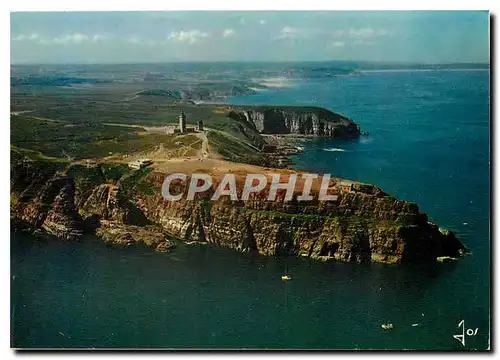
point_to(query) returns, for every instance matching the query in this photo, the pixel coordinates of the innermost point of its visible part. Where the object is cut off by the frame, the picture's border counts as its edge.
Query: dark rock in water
(39, 234)
(165, 246)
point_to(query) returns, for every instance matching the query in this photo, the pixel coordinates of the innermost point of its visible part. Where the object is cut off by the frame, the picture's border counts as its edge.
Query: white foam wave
(334, 149)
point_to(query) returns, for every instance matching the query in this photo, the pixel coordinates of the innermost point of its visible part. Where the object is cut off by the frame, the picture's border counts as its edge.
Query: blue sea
(428, 143)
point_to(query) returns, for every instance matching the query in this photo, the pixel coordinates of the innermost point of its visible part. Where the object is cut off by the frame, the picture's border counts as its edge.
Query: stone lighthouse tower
(182, 122)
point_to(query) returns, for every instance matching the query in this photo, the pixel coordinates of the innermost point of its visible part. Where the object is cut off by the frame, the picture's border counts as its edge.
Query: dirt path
(204, 152)
(133, 96)
(16, 113)
(48, 120)
(124, 125)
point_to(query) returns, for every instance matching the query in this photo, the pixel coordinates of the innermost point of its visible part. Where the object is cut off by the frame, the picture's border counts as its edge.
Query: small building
(346, 185)
(200, 125)
(139, 164)
(170, 129)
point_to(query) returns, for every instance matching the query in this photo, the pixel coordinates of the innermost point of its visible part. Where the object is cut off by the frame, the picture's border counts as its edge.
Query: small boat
(286, 277)
(387, 326)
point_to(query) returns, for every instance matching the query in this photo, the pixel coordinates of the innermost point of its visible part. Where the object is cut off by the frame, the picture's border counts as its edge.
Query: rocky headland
(363, 225)
(311, 121)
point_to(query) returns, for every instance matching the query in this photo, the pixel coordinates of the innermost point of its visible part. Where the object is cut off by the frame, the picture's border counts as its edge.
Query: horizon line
(386, 62)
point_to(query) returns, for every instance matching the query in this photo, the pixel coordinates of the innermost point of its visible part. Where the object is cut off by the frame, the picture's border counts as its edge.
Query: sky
(130, 37)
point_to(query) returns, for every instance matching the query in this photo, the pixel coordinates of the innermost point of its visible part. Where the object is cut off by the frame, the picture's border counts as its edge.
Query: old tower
(182, 122)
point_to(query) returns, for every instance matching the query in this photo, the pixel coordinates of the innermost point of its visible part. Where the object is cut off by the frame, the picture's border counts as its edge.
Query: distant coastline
(274, 82)
(423, 70)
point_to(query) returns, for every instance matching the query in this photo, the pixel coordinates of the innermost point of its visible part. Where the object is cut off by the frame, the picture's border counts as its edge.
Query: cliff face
(363, 225)
(304, 121)
(53, 209)
(67, 204)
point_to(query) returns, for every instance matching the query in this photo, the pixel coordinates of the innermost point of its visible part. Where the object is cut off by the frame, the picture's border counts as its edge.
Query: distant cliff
(311, 121)
(363, 225)
(216, 92)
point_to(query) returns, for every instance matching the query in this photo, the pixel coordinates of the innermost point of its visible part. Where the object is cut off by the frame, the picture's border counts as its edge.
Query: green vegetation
(69, 141)
(58, 140)
(28, 171)
(75, 113)
(86, 178)
(297, 109)
(159, 92)
(34, 160)
(359, 220)
(232, 149)
(306, 217)
(114, 172)
(135, 183)
(20, 154)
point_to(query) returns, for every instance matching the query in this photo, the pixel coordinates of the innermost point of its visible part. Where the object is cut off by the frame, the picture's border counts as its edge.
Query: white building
(139, 164)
